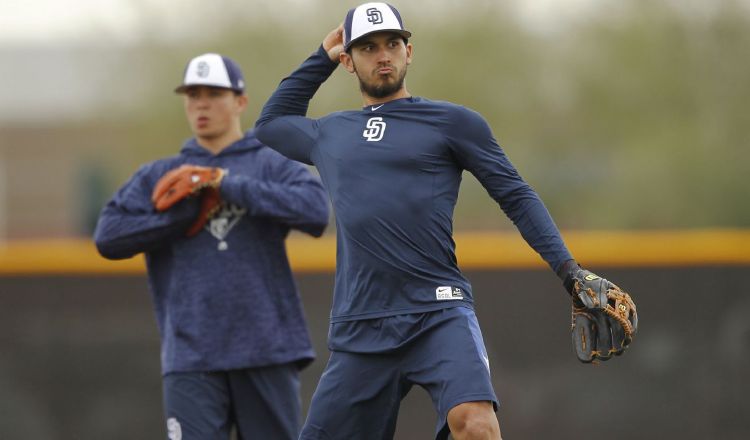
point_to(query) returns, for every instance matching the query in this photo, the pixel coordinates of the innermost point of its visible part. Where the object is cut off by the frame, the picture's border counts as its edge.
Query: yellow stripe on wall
(611, 249)
(475, 250)
(53, 257)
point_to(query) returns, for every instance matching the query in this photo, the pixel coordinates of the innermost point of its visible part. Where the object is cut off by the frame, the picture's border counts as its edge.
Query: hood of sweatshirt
(191, 147)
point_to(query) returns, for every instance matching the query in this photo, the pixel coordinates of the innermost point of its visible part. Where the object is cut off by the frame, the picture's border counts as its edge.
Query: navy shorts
(257, 402)
(359, 393)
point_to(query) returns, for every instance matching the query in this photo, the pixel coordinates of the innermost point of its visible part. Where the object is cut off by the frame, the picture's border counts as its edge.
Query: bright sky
(45, 21)
(51, 20)
(54, 21)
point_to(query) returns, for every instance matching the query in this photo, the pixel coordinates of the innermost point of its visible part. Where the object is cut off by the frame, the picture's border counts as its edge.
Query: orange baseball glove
(183, 182)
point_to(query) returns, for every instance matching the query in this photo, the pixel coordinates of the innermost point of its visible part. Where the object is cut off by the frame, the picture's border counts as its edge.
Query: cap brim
(181, 89)
(403, 33)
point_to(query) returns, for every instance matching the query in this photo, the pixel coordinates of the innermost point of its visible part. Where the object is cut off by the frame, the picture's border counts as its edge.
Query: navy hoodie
(225, 298)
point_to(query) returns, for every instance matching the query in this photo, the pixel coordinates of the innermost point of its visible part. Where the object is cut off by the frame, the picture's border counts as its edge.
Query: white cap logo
(203, 69)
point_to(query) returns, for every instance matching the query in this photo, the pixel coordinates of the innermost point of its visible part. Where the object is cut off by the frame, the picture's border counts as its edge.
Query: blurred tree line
(633, 117)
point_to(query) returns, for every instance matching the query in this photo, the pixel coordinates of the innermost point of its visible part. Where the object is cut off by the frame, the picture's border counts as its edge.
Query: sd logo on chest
(375, 129)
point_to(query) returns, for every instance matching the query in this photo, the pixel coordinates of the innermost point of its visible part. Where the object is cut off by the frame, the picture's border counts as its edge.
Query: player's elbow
(279, 135)
(266, 115)
(267, 135)
(110, 251)
(315, 230)
(318, 219)
(262, 130)
(109, 247)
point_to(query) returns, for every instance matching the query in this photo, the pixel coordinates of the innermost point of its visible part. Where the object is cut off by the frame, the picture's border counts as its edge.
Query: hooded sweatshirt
(224, 299)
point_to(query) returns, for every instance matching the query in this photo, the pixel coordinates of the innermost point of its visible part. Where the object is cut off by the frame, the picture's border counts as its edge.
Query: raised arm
(282, 124)
(477, 151)
(129, 223)
(291, 195)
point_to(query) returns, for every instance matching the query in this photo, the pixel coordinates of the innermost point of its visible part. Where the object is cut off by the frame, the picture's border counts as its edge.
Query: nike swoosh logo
(375, 108)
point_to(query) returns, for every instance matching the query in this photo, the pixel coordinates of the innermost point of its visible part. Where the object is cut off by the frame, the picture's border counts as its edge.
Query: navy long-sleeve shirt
(225, 298)
(393, 173)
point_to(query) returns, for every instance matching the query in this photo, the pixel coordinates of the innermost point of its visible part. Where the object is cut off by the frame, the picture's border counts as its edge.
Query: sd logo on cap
(372, 17)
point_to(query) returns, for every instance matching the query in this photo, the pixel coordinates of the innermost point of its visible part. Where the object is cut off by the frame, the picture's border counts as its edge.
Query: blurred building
(50, 179)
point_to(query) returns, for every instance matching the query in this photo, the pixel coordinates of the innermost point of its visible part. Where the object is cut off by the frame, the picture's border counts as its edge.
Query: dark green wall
(79, 358)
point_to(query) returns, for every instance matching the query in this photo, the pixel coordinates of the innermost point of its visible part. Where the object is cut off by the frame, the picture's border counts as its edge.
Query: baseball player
(402, 310)
(212, 221)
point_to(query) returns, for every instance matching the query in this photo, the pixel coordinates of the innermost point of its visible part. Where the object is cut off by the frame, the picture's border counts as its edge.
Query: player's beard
(382, 89)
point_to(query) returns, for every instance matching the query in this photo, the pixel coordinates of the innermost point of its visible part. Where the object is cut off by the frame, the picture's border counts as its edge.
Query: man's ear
(346, 60)
(409, 53)
(242, 101)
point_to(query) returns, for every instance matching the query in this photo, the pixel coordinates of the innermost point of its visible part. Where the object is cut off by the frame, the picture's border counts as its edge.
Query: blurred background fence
(80, 351)
(628, 117)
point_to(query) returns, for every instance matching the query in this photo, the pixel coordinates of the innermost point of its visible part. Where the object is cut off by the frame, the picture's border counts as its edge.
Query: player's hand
(333, 43)
(182, 182)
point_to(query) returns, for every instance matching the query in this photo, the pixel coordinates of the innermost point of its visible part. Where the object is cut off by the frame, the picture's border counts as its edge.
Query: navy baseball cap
(372, 17)
(213, 70)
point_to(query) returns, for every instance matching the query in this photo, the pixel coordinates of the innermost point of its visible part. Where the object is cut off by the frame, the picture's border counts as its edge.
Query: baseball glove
(604, 317)
(182, 182)
(210, 205)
